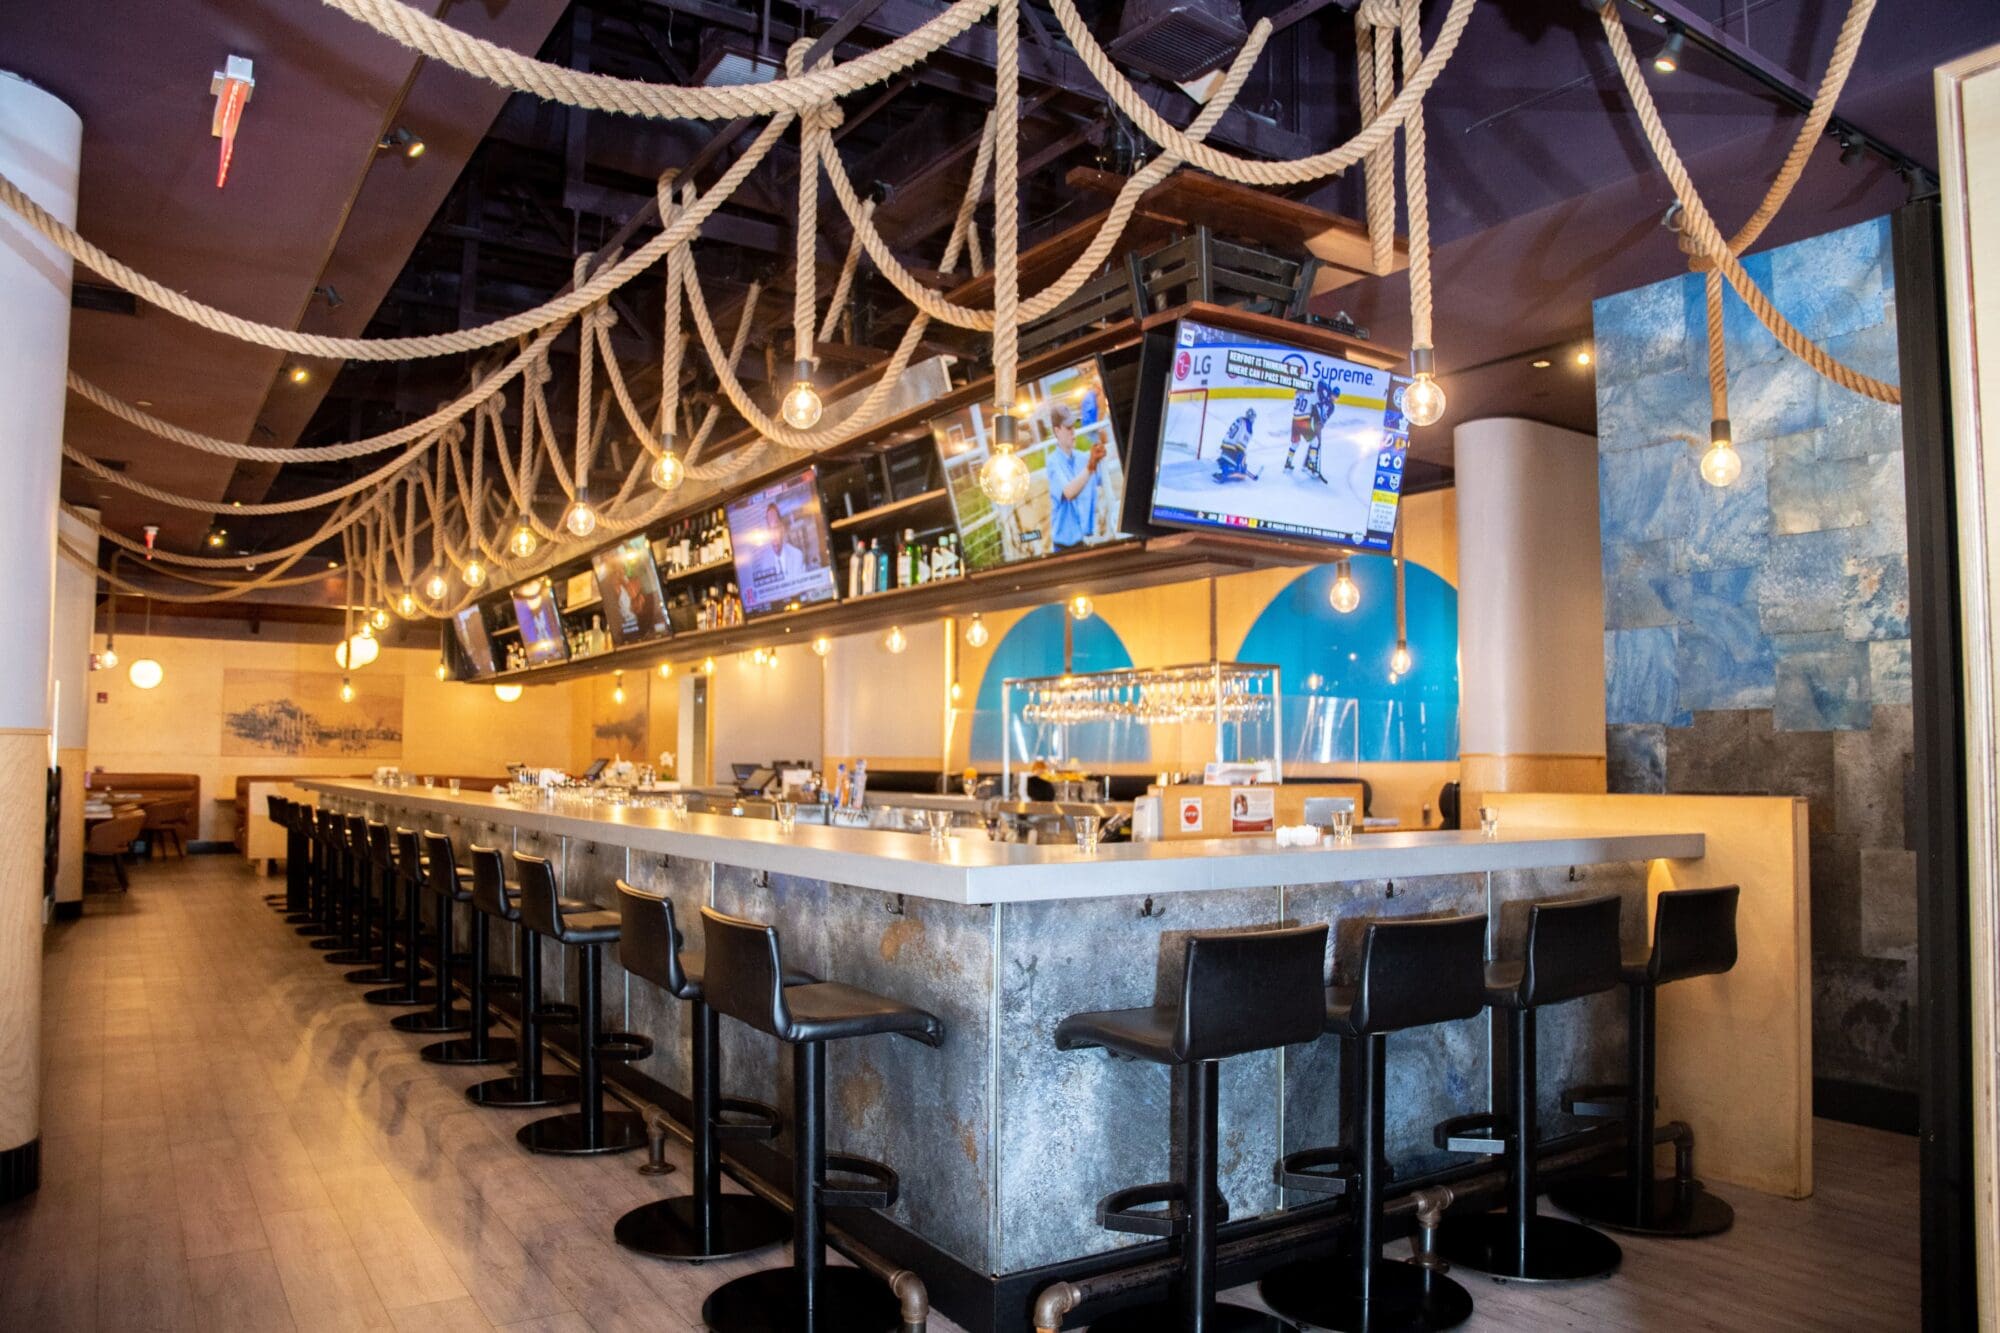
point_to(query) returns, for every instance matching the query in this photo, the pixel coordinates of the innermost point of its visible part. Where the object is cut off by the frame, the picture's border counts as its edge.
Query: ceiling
(1543, 196)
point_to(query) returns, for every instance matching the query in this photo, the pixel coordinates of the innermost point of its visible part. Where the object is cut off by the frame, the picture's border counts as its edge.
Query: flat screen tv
(778, 538)
(628, 586)
(542, 637)
(470, 627)
(1076, 490)
(1257, 436)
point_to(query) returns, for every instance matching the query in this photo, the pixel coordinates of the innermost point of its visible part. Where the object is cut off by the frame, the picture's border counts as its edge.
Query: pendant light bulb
(895, 640)
(581, 520)
(1081, 607)
(618, 687)
(378, 619)
(976, 633)
(108, 659)
(822, 645)
(146, 673)
(666, 671)
(1400, 661)
(1721, 465)
(474, 574)
(1423, 397)
(668, 471)
(523, 543)
(707, 666)
(346, 690)
(357, 652)
(802, 407)
(1345, 595)
(1003, 476)
(435, 587)
(406, 604)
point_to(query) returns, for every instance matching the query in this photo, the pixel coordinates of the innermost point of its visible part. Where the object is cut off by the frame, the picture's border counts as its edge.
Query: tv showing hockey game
(1261, 437)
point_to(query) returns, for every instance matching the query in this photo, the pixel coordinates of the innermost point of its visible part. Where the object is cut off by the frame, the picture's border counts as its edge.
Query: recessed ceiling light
(1541, 363)
(300, 375)
(144, 402)
(1583, 357)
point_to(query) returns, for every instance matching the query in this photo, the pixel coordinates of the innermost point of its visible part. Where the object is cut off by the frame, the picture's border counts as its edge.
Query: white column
(40, 140)
(75, 619)
(1530, 609)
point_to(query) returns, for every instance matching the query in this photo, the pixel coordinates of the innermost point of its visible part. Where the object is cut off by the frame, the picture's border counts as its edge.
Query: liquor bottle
(732, 613)
(881, 565)
(854, 569)
(840, 787)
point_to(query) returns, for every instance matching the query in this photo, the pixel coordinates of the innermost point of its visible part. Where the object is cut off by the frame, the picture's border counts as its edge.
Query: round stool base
(1157, 1315)
(459, 1051)
(300, 918)
(512, 1093)
(738, 1224)
(563, 1135)
(313, 929)
(1672, 1210)
(374, 976)
(454, 1020)
(1557, 1250)
(315, 939)
(851, 1300)
(403, 995)
(1406, 1298)
(359, 958)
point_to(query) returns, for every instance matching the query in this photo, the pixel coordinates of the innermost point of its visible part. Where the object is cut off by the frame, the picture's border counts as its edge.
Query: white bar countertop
(975, 870)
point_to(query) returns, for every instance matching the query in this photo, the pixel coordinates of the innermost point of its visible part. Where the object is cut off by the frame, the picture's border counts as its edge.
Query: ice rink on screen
(1348, 452)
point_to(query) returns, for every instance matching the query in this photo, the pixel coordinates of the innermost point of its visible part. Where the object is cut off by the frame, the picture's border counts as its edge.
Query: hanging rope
(1708, 238)
(1416, 185)
(1374, 65)
(1007, 204)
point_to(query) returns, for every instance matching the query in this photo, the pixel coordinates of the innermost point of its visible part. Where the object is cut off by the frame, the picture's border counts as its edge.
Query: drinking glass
(453, 784)
(938, 823)
(1489, 823)
(1343, 827)
(787, 813)
(677, 805)
(430, 781)
(1086, 833)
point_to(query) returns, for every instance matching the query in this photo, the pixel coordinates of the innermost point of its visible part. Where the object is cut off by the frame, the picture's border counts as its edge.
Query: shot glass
(429, 781)
(1086, 834)
(1343, 827)
(787, 813)
(938, 824)
(453, 784)
(1489, 823)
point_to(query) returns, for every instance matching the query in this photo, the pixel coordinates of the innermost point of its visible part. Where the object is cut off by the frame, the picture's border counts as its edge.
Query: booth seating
(1241, 992)
(705, 1223)
(1694, 935)
(744, 979)
(590, 1128)
(1572, 951)
(110, 841)
(1413, 973)
(496, 898)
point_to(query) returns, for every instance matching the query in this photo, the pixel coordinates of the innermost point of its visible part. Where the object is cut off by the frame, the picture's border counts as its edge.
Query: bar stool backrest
(540, 911)
(1420, 971)
(1694, 933)
(1247, 991)
(279, 810)
(489, 883)
(409, 855)
(744, 976)
(1572, 950)
(443, 873)
(357, 840)
(649, 941)
(379, 849)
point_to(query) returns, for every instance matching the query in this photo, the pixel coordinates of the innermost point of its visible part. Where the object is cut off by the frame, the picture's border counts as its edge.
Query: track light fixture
(1668, 58)
(401, 140)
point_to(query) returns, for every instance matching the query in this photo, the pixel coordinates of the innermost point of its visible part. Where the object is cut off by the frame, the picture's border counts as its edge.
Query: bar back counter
(1005, 1144)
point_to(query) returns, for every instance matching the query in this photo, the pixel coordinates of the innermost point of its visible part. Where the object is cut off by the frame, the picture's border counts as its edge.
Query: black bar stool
(1240, 992)
(452, 884)
(589, 1128)
(406, 972)
(1572, 951)
(294, 902)
(412, 873)
(1694, 935)
(365, 951)
(745, 979)
(494, 897)
(327, 931)
(705, 1223)
(1413, 973)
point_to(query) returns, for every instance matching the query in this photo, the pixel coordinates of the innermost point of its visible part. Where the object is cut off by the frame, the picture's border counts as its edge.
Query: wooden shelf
(696, 571)
(880, 512)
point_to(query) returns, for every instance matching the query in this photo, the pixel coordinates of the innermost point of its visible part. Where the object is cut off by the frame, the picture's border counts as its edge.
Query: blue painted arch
(1033, 646)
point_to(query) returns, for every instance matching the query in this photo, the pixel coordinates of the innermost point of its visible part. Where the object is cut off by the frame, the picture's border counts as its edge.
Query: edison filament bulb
(1003, 476)
(802, 407)
(581, 520)
(668, 471)
(976, 632)
(523, 542)
(1721, 464)
(1345, 594)
(435, 587)
(474, 574)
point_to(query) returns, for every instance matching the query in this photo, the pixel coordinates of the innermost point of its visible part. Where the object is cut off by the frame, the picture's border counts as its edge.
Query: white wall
(757, 713)
(887, 707)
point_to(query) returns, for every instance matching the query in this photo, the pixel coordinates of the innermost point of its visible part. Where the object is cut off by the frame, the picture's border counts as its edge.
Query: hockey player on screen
(1230, 463)
(1309, 418)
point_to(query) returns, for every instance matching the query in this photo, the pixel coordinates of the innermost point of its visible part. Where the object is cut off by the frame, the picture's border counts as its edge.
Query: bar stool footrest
(1317, 1170)
(623, 1047)
(886, 1183)
(1135, 1209)
(756, 1120)
(1600, 1101)
(1483, 1134)
(557, 1013)
(503, 983)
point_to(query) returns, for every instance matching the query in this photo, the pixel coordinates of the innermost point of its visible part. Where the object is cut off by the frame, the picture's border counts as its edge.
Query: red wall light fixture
(232, 86)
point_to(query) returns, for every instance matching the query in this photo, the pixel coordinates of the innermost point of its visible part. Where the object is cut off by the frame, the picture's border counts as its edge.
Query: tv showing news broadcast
(1063, 432)
(470, 627)
(542, 637)
(778, 538)
(1259, 436)
(628, 584)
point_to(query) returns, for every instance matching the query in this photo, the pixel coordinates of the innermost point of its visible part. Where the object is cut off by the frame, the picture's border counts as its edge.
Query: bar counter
(1002, 941)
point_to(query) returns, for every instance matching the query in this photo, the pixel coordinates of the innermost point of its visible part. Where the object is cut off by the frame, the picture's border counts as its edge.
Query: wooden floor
(233, 1140)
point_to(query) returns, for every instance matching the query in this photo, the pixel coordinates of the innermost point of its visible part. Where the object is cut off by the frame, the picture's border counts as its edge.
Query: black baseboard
(1864, 1104)
(69, 911)
(21, 1170)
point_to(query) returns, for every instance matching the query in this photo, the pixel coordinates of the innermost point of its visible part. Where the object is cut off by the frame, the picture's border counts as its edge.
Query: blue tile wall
(1744, 622)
